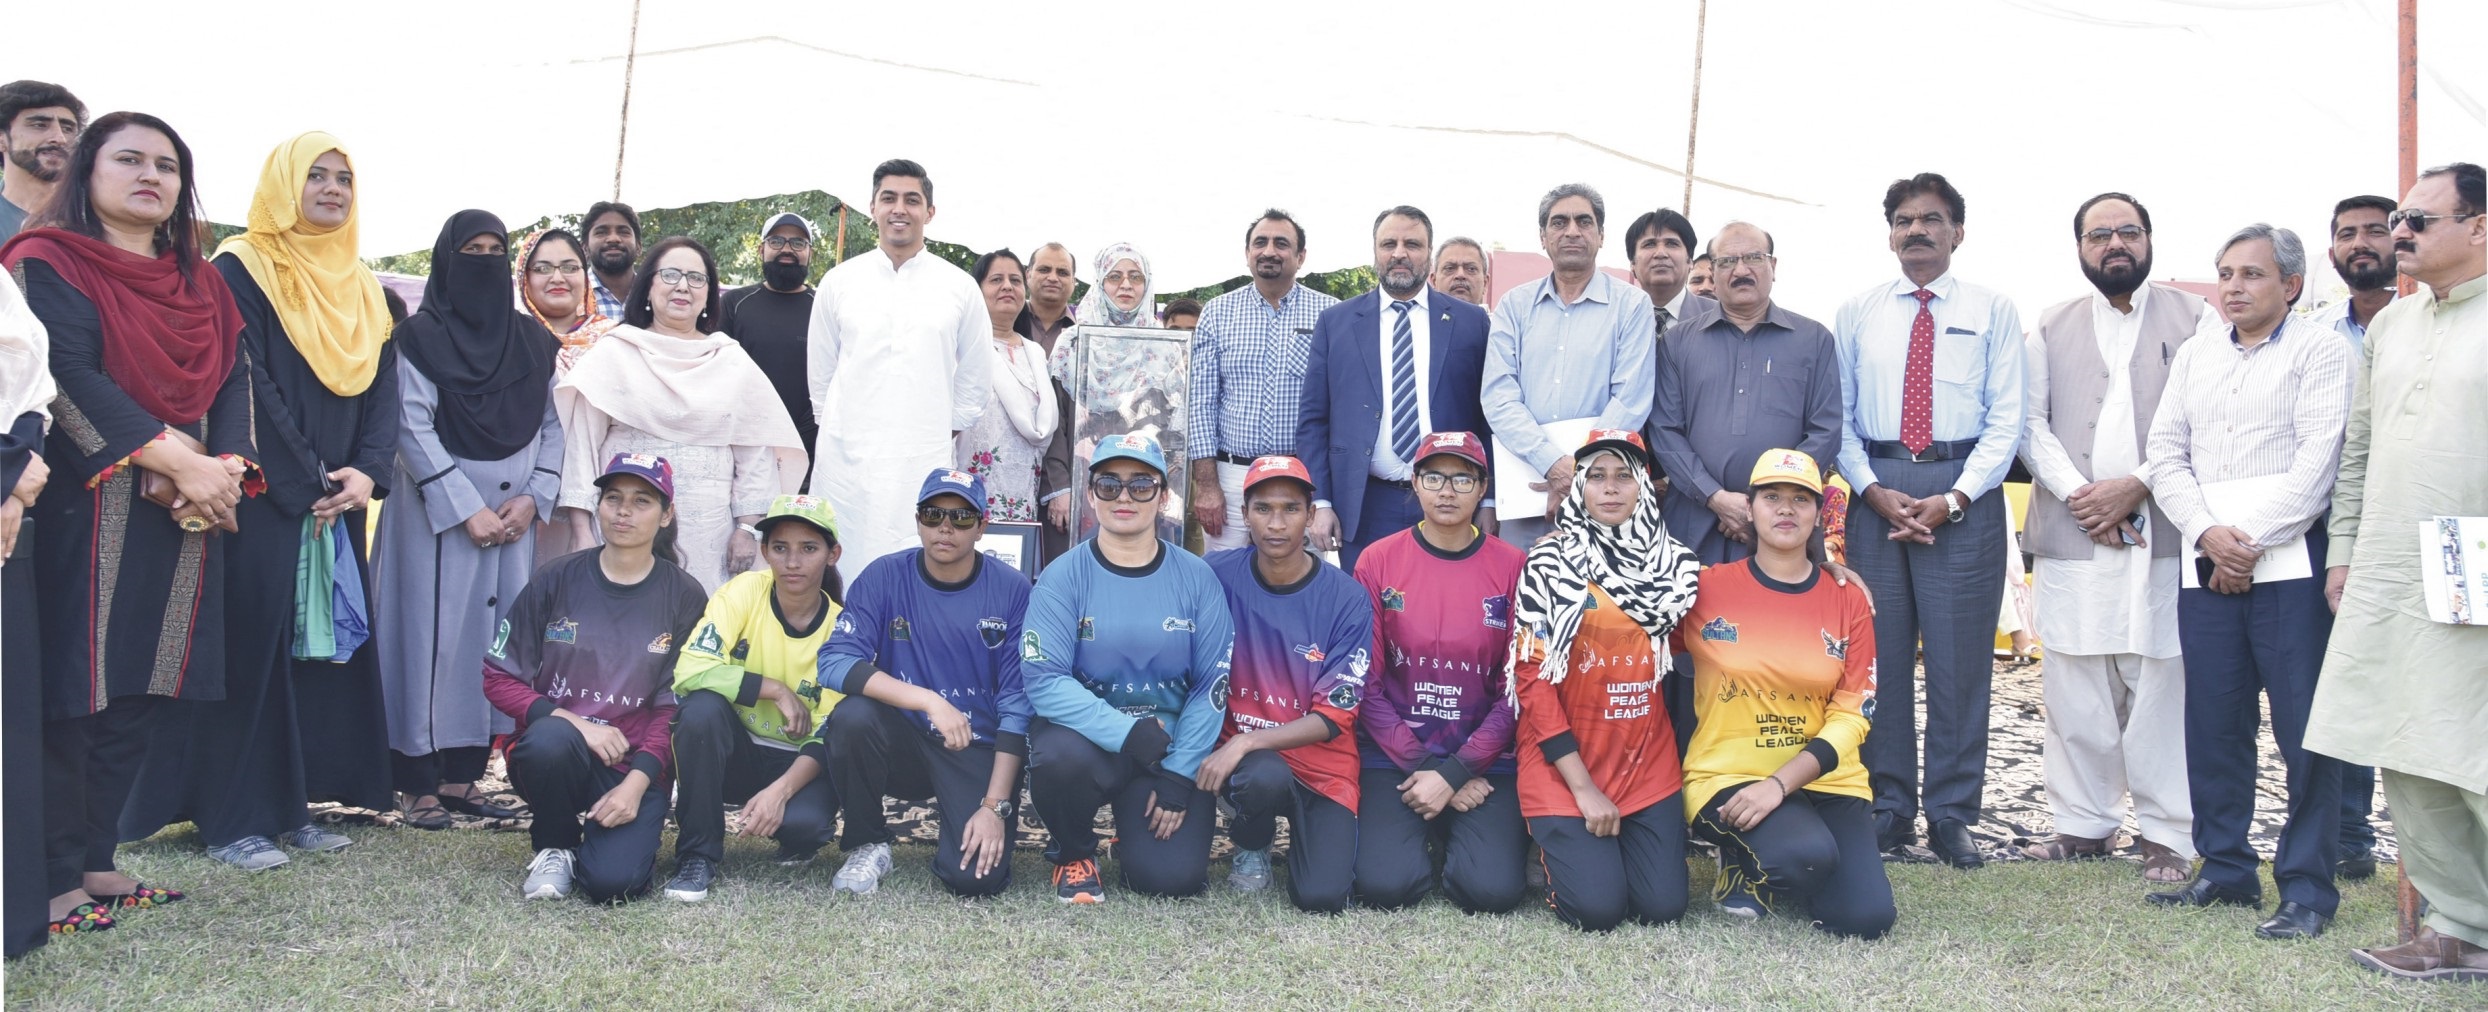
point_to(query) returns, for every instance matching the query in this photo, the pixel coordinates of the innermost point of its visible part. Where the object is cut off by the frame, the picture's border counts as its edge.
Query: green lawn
(432, 920)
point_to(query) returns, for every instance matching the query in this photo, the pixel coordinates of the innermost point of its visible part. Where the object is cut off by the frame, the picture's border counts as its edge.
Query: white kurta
(898, 364)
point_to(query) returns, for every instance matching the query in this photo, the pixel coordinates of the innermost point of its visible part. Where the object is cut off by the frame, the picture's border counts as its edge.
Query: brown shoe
(2068, 847)
(2163, 865)
(2431, 956)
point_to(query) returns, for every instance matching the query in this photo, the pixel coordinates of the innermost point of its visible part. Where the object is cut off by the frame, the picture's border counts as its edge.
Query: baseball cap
(1274, 467)
(1625, 441)
(646, 466)
(788, 218)
(1464, 445)
(1787, 467)
(1129, 446)
(952, 481)
(810, 509)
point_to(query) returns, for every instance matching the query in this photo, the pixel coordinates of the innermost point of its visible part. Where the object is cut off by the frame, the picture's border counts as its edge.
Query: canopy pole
(1693, 121)
(630, 63)
(2407, 921)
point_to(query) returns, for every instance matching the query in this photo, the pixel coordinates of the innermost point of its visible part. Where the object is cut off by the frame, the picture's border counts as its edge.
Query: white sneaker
(863, 870)
(1249, 870)
(549, 875)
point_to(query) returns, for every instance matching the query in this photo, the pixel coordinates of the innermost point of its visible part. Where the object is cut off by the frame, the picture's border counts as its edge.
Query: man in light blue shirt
(2362, 253)
(1931, 380)
(1575, 344)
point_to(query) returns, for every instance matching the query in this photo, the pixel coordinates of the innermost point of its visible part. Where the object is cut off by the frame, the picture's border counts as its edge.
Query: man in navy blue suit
(1386, 368)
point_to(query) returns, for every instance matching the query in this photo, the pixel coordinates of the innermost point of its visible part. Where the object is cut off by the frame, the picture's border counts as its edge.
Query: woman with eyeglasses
(1006, 447)
(1125, 654)
(667, 384)
(553, 283)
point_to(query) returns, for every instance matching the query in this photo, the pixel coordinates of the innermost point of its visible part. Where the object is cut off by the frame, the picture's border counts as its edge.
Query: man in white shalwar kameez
(898, 368)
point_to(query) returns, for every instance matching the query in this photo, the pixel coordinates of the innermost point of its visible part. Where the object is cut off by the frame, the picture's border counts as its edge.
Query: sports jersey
(1106, 646)
(1607, 709)
(742, 639)
(605, 651)
(958, 639)
(1777, 669)
(1300, 649)
(1443, 631)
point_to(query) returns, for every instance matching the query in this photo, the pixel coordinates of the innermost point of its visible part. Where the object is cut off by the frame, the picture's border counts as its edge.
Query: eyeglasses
(1433, 481)
(677, 276)
(1134, 278)
(780, 242)
(1108, 488)
(546, 270)
(2100, 236)
(1753, 260)
(960, 519)
(2418, 220)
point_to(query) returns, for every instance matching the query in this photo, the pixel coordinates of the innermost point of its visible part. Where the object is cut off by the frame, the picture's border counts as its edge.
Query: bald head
(1742, 271)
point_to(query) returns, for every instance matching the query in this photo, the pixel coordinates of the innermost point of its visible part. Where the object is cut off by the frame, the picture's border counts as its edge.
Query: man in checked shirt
(1248, 356)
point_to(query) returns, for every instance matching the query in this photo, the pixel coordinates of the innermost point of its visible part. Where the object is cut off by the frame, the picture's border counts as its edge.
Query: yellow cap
(1787, 467)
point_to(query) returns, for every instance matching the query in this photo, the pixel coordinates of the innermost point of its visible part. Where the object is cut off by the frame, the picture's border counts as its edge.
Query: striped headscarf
(1650, 576)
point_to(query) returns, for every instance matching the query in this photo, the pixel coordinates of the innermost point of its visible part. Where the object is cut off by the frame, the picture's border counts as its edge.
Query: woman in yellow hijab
(299, 722)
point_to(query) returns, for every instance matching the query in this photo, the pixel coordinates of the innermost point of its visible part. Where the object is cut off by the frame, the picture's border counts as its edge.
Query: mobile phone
(2203, 570)
(2135, 521)
(328, 486)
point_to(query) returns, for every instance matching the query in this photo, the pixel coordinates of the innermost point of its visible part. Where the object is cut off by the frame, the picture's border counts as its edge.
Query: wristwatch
(1952, 507)
(1002, 807)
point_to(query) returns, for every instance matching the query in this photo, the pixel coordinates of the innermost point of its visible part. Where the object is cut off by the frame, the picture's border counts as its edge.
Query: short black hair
(1667, 218)
(2362, 202)
(2084, 211)
(19, 96)
(1274, 214)
(1703, 259)
(2467, 183)
(636, 310)
(1403, 211)
(901, 167)
(985, 264)
(602, 208)
(1181, 306)
(1925, 182)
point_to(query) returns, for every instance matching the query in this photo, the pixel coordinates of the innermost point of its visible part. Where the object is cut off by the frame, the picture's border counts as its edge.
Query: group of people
(678, 548)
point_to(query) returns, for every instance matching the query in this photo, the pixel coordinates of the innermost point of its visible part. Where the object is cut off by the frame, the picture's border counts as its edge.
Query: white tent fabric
(1173, 125)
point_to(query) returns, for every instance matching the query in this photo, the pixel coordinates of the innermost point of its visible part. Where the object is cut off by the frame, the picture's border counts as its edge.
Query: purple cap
(952, 481)
(645, 466)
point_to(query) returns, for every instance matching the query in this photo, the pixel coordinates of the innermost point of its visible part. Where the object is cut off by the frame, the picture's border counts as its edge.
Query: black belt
(1235, 458)
(1405, 486)
(1938, 450)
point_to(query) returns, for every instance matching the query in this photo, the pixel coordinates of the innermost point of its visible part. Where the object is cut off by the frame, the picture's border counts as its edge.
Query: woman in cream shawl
(1006, 446)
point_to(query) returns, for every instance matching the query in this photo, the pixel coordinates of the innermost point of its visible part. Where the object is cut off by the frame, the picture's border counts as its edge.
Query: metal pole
(630, 64)
(2407, 923)
(1693, 120)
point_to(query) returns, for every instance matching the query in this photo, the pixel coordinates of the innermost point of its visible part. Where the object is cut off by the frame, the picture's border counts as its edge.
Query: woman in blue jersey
(1124, 653)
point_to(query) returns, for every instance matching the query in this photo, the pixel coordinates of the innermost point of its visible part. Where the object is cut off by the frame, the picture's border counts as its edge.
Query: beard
(31, 160)
(1400, 277)
(613, 260)
(2115, 279)
(784, 275)
(2368, 277)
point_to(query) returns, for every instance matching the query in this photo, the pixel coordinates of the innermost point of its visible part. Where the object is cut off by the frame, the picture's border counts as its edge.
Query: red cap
(1276, 466)
(1622, 440)
(1464, 445)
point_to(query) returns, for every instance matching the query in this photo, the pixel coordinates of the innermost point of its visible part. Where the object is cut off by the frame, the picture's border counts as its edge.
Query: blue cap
(1129, 446)
(952, 481)
(648, 467)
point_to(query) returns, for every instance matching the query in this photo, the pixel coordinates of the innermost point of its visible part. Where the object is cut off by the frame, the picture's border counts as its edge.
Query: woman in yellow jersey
(1784, 684)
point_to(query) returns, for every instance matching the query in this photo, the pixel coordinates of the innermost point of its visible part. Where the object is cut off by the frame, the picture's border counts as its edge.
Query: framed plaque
(1129, 380)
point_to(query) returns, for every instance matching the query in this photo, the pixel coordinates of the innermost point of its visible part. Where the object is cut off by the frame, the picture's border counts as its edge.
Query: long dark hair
(638, 313)
(73, 201)
(665, 546)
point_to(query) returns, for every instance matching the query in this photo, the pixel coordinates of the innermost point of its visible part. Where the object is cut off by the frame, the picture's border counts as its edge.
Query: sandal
(2068, 847)
(477, 805)
(86, 920)
(2161, 864)
(425, 816)
(140, 898)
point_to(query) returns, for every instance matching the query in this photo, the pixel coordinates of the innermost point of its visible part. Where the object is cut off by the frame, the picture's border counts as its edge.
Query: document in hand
(2233, 502)
(1513, 475)
(2452, 553)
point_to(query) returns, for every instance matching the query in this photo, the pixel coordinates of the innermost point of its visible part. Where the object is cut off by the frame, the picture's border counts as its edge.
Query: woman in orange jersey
(1783, 686)
(1599, 781)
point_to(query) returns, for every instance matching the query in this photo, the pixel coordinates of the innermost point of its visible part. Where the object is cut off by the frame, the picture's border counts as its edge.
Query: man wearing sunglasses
(1304, 632)
(773, 319)
(927, 655)
(2399, 692)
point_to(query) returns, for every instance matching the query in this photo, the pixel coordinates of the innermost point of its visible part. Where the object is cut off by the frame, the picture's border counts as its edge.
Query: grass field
(432, 920)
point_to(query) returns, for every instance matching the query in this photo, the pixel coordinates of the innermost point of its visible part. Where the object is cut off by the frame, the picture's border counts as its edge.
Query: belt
(1235, 458)
(1405, 486)
(1938, 450)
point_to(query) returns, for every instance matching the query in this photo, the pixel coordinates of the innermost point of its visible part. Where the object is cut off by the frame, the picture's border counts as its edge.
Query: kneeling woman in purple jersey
(585, 664)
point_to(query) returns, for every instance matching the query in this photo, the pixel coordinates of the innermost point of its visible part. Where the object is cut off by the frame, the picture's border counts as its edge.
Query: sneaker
(1078, 882)
(788, 858)
(692, 877)
(863, 870)
(251, 853)
(549, 875)
(1735, 896)
(316, 840)
(1249, 871)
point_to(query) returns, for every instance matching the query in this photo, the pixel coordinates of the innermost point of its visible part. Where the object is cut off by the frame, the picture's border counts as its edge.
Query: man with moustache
(1925, 530)
(2399, 692)
(1247, 383)
(1463, 271)
(1053, 275)
(899, 358)
(612, 231)
(1573, 345)
(1659, 241)
(773, 319)
(2106, 583)
(1698, 277)
(2362, 253)
(1386, 368)
(39, 122)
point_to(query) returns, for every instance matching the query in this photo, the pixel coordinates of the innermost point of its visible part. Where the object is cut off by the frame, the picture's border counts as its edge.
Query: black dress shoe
(2292, 921)
(2202, 893)
(1891, 833)
(2356, 865)
(1951, 841)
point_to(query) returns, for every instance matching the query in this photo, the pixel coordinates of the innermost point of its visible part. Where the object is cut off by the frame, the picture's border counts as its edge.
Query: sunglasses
(2418, 220)
(1108, 488)
(960, 519)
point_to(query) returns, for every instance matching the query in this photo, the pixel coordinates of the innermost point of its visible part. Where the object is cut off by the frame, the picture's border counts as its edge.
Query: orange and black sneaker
(1078, 882)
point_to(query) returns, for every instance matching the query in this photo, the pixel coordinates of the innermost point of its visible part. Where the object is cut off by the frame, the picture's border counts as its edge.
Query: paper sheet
(1513, 475)
(2231, 502)
(2453, 551)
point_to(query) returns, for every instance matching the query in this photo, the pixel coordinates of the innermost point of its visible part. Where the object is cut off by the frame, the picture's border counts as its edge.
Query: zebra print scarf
(1648, 573)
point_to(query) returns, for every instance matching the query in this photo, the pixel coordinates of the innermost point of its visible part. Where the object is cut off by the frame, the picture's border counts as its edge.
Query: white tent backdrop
(1173, 125)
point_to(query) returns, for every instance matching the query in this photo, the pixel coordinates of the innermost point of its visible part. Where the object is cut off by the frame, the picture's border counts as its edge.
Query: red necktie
(1918, 382)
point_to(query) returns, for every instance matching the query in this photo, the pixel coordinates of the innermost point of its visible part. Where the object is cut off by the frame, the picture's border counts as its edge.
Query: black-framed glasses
(783, 242)
(1433, 481)
(2130, 233)
(2418, 220)
(1108, 488)
(963, 518)
(678, 276)
(546, 269)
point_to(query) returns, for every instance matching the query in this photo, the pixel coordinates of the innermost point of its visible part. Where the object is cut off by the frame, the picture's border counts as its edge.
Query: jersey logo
(1030, 649)
(1358, 664)
(742, 651)
(994, 630)
(1343, 696)
(1393, 600)
(1176, 625)
(663, 644)
(846, 624)
(898, 628)
(1088, 628)
(708, 642)
(1837, 649)
(810, 691)
(1719, 630)
(501, 641)
(562, 631)
(1498, 612)
(1218, 691)
(1311, 652)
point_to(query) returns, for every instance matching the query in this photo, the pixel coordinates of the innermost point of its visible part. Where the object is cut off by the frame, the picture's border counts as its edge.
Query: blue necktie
(1404, 434)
